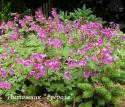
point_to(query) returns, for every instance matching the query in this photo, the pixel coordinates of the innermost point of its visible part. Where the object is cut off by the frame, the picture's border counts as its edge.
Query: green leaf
(107, 82)
(78, 99)
(118, 91)
(86, 104)
(116, 101)
(101, 102)
(103, 93)
(1, 49)
(54, 102)
(87, 94)
(22, 30)
(67, 105)
(66, 51)
(84, 86)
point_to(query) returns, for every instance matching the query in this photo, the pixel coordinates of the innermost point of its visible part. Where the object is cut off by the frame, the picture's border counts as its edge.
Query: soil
(29, 103)
(123, 104)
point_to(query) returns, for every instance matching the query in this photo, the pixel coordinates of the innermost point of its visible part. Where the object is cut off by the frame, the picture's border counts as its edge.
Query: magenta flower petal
(94, 58)
(5, 85)
(11, 72)
(32, 73)
(86, 74)
(82, 63)
(67, 75)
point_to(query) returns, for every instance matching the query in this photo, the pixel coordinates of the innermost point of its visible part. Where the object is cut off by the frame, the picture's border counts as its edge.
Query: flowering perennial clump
(90, 41)
(36, 47)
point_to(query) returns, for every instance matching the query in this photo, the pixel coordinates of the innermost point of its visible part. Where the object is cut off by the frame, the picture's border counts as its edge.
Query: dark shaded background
(109, 10)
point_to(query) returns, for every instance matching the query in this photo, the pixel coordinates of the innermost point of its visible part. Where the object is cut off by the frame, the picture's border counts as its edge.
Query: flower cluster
(5, 85)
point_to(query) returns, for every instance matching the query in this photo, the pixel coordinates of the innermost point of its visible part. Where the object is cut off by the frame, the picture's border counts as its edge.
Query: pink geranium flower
(5, 85)
(67, 75)
(94, 58)
(11, 72)
(86, 74)
(82, 63)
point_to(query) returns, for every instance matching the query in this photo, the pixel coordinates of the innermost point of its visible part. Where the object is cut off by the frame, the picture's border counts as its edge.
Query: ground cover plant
(81, 63)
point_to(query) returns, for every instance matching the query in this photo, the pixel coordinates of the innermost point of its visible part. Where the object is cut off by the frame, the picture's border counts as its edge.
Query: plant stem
(74, 101)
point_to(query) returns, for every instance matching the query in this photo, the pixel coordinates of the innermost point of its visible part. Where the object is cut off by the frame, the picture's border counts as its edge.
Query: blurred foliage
(85, 13)
(5, 10)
